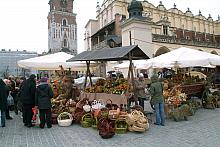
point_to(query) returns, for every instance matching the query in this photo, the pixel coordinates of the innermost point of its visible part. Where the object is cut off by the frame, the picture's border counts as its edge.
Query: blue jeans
(160, 118)
(3, 117)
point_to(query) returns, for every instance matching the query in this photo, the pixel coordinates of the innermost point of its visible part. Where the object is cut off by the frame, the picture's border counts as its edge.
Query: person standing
(14, 92)
(3, 101)
(43, 97)
(8, 86)
(140, 86)
(28, 89)
(157, 99)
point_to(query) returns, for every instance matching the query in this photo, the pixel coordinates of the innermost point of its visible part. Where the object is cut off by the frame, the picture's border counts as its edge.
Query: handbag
(10, 100)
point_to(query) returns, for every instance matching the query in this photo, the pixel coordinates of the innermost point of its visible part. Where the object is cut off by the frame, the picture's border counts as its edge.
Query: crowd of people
(27, 94)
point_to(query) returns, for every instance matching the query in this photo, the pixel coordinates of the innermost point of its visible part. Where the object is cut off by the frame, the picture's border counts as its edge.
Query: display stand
(115, 98)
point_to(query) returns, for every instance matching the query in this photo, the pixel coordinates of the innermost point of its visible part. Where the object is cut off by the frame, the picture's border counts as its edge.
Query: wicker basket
(136, 129)
(113, 114)
(218, 104)
(86, 121)
(65, 122)
(95, 123)
(121, 126)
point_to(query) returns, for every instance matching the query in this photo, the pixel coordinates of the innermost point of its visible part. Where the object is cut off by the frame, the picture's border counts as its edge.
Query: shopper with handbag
(3, 101)
(43, 97)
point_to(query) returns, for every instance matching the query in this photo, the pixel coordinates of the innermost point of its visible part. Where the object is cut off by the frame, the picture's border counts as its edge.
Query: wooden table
(115, 98)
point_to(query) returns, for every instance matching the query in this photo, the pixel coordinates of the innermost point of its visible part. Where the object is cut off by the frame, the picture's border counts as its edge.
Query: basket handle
(59, 116)
(137, 112)
(86, 115)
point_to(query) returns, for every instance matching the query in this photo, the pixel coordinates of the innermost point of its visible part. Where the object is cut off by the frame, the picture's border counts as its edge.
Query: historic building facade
(9, 59)
(157, 31)
(62, 27)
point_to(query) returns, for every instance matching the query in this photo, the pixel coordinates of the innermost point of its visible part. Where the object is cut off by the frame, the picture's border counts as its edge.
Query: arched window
(64, 22)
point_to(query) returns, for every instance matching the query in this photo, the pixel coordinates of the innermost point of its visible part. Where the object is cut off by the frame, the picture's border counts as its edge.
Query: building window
(187, 37)
(165, 30)
(54, 35)
(64, 22)
(65, 43)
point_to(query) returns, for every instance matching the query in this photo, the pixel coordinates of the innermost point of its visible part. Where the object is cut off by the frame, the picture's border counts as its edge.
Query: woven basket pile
(137, 121)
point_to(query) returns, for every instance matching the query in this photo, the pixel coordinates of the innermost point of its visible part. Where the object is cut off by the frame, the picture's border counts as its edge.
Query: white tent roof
(183, 57)
(137, 64)
(51, 62)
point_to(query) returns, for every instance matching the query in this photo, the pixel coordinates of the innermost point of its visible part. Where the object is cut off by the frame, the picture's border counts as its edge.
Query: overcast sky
(24, 22)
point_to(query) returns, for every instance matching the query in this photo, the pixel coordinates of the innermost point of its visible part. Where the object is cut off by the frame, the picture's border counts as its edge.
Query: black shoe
(156, 124)
(10, 118)
(25, 124)
(41, 126)
(3, 126)
(50, 126)
(30, 125)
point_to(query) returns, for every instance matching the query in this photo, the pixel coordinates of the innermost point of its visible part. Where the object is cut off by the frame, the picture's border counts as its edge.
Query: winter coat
(27, 92)
(156, 90)
(140, 88)
(43, 96)
(4, 91)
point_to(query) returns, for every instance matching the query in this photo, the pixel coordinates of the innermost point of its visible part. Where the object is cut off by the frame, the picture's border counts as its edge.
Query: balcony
(183, 41)
(100, 45)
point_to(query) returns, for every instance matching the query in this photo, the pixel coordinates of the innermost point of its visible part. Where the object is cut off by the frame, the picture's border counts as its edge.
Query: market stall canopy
(111, 54)
(183, 57)
(51, 62)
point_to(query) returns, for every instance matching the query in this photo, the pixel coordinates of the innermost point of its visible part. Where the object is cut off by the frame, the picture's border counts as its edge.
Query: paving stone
(202, 130)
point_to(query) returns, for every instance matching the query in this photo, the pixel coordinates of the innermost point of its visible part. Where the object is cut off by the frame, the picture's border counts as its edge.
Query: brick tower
(62, 27)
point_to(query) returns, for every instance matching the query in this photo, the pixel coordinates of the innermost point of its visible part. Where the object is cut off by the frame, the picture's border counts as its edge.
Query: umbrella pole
(87, 70)
(131, 74)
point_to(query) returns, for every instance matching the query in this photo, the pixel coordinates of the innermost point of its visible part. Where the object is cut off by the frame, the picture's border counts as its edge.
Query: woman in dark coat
(43, 97)
(3, 101)
(28, 98)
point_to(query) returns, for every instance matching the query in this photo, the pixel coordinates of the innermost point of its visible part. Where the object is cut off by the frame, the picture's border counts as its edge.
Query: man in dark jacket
(28, 99)
(3, 101)
(43, 97)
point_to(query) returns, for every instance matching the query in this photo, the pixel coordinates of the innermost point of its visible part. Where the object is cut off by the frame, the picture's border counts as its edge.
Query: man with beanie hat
(43, 97)
(28, 89)
(157, 99)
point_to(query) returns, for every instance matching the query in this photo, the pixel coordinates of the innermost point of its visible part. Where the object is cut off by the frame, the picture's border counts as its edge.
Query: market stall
(112, 54)
(103, 104)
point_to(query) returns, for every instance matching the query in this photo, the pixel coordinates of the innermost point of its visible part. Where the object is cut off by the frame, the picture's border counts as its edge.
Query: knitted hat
(32, 76)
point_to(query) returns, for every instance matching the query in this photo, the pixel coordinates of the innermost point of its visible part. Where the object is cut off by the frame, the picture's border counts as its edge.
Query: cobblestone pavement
(201, 130)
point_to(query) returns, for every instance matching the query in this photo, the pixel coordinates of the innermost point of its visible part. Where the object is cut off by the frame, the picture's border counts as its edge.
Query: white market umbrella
(51, 62)
(183, 57)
